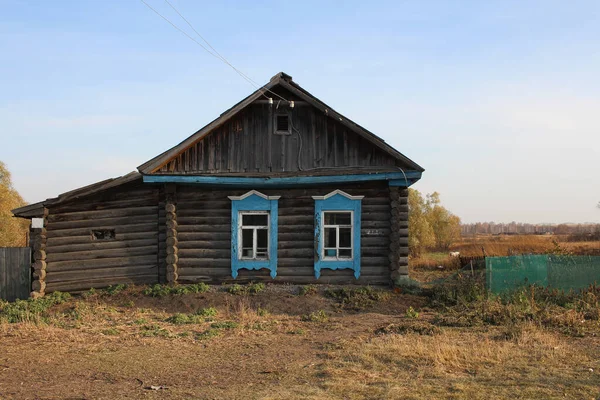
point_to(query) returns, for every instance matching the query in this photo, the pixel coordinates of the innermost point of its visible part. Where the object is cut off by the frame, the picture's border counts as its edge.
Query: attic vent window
(282, 124)
(104, 234)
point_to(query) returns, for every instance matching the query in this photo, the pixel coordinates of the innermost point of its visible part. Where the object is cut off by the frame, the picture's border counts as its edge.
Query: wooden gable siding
(246, 144)
(204, 236)
(75, 261)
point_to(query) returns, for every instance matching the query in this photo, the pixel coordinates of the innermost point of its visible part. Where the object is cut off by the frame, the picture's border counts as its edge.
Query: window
(254, 235)
(337, 232)
(337, 235)
(254, 232)
(104, 234)
(282, 124)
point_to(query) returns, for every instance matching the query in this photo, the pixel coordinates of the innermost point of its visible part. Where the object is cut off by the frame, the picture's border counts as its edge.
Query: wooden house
(280, 187)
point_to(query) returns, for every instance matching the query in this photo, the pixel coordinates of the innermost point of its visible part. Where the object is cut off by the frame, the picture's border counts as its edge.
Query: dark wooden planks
(246, 143)
(15, 273)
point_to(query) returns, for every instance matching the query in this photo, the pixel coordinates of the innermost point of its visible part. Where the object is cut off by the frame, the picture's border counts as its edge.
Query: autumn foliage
(12, 230)
(431, 226)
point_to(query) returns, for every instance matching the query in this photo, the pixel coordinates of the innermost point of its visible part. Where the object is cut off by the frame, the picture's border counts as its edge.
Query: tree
(420, 234)
(444, 224)
(12, 230)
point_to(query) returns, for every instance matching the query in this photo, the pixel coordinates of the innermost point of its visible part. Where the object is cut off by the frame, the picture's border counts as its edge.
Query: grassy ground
(274, 342)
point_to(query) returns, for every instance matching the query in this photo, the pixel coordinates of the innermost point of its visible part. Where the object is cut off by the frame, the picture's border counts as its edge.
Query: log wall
(204, 236)
(75, 260)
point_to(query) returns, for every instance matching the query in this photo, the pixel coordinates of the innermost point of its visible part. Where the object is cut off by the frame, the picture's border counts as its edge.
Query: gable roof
(286, 82)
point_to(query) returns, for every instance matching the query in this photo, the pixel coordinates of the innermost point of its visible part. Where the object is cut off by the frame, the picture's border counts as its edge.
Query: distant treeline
(516, 228)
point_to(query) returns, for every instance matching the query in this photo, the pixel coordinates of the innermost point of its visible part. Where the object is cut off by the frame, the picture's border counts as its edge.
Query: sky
(498, 100)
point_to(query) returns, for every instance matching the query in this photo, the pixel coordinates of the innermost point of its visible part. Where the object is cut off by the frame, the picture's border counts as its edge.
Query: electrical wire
(216, 54)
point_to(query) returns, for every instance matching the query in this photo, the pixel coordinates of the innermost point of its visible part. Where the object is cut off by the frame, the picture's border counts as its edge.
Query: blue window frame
(254, 232)
(337, 232)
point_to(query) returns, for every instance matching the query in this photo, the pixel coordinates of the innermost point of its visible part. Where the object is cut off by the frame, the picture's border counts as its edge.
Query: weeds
(419, 328)
(113, 290)
(165, 290)
(207, 334)
(154, 331)
(32, 310)
(240, 290)
(465, 303)
(202, 315)
(224, 325)
(412, 313)
(316, 316)
(306, 290)
(357, 298)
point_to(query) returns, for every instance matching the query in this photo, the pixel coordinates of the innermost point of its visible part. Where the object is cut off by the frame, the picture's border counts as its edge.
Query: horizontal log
(98, 214)
(131, 228)
(97, 205)
(102, 253)
(366, 224)
(101, 263)
(296, 220)
(172, 258)
(203, 262)
(38, 285)
(204, 212)
(170, 208)
(296, 228)
(204, 244)
(101, 245)
(203, 228)
(286, 236)
(70, 240)
(101, 283)
(205, 253)
(84, 275)
(204, 220)
(296, 244)
(204, 236)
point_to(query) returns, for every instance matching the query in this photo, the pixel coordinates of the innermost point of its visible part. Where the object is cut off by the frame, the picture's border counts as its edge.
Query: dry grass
(504, 245)
(463, 364)
(216, 345)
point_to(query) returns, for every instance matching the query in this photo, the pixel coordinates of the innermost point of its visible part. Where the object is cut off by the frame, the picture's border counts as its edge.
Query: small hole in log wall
(104, 234)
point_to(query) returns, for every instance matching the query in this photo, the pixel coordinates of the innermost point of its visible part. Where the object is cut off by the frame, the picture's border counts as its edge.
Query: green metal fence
(553, 271)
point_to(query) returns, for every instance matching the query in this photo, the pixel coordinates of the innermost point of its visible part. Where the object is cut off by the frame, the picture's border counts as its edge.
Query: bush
(32, 310)
(158, 290)
(316, 316)
(306, 290)
(465, 303)
(252, 288)
(357, 298)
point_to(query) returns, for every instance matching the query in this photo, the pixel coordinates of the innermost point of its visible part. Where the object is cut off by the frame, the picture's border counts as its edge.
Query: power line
(216, 54)
(243, 75)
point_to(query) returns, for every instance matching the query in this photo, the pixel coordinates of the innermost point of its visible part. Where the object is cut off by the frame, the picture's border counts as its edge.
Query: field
(290, 342)
(426, 268)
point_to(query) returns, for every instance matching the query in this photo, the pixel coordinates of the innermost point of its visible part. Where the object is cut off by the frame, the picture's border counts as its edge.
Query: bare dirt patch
(216, 345)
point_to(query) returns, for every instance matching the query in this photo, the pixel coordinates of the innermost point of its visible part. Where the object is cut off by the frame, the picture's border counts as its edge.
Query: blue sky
(498, 100)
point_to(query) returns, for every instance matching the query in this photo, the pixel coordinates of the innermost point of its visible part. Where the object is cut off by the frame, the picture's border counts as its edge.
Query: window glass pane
(337, 218)
(345, 253)
(247, 252)
(330, 252)
(255, 219)
(330, 237)
(262, 238)
(345, 237)
(247, 238)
